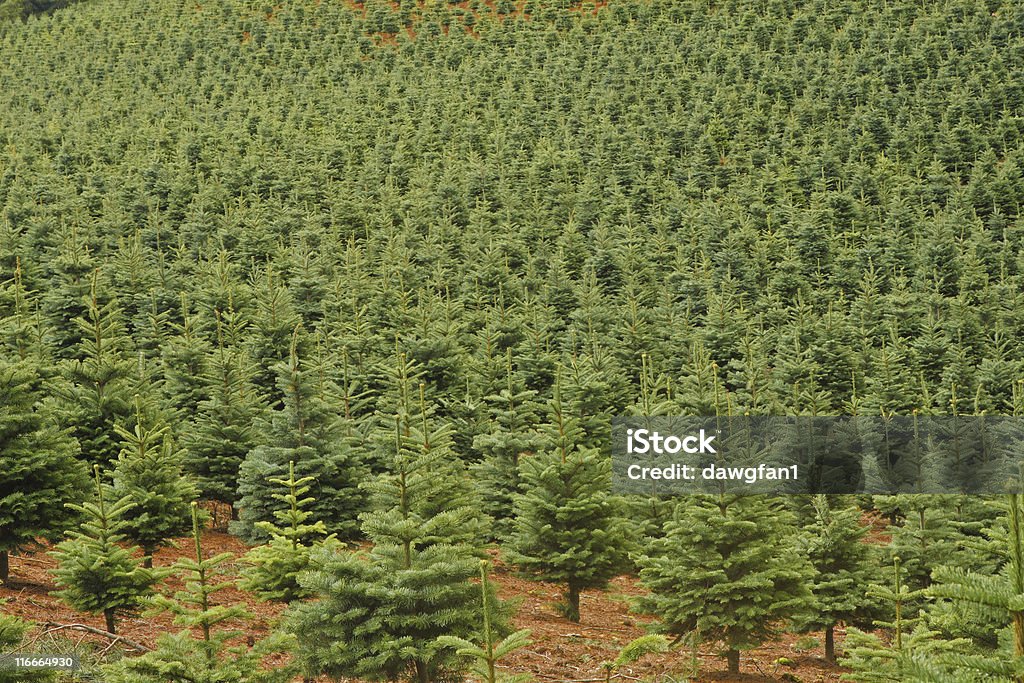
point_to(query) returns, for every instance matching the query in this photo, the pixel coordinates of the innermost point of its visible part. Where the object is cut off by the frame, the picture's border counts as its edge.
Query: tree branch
(52, 627)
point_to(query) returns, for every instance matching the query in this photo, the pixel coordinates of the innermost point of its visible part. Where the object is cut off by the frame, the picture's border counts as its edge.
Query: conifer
(94, 572)
(100, 381)
(727, 570)
(494, 648)
(568, 528)
(272, 570)
(379, 613)
(223, 430)
(209, 658)
(38, 468)
(305, 431)
(842, 565)
(149, 474)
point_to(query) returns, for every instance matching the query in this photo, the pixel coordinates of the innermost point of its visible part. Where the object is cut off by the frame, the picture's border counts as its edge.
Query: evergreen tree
(94, 572)
(208, 659)
(305, 431)
(486, 656)
(513, 411)
(1001, 594)
(872, 659)
(100, 381)
(568, 528)
(842, 564)
(380, 612)
(38, 468)
(149, 474)
(223, 431)
(726, 570)
(273, 569)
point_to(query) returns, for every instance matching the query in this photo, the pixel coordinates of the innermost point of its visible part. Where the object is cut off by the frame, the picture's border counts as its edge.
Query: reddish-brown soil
(561, 650)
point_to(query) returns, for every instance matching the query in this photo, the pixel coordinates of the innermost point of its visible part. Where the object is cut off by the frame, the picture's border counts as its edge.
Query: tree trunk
(733, 658)
(572, 606)
(108, 615)
(5, 567)
(147, 561)
(830, 643)
(422, 672)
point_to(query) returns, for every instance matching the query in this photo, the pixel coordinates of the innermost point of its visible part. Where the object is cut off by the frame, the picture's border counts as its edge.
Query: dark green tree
(272, 570)
(95, 573)
(210, 658)
(38, 468)
(568, 528)
(727, 570)
(224, 429)
(379, 613)
(843, 564)
(309, 433)
(100, 382)
(149, 474)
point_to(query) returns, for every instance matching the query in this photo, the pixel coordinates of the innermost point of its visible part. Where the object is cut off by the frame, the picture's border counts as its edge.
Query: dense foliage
(371, 239)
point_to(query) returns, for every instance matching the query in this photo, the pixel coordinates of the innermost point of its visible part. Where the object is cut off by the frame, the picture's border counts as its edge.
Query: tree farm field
(317, 318)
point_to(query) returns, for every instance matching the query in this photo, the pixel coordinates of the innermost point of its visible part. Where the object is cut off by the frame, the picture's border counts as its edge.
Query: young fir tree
(272, 570)
(38, 468)
(842, 564)
(513, 412)
(223, 430)
(494, 648)
(1001, 594)
(309, 433)
(207, 659)
(94, 572)
(872, 660)
(149, 474)
(925, 538)
(568, 528)
(379, 613)
(726, 570)
(100, 379)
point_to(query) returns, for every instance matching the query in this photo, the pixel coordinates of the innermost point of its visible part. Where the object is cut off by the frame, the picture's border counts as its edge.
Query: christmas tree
(842, 564)
(149, 474)
(726, 570)
(94, 572)
(568, 528)
(38, 468)
(209, 658)
(273, 569)
(305, 431)
(379, 613)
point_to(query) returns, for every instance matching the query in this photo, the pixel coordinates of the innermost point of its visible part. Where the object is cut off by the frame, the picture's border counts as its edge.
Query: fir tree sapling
(379, 613)
(149, 474)
(272, 570)
(207, 659)
(308, 432)
(494, 648)
(726, 570)
(38, 468)
(568, 528)
(12, 634)
(843, 564)
(224, 428)
(97, 395)
(872, 660)
(94, 572)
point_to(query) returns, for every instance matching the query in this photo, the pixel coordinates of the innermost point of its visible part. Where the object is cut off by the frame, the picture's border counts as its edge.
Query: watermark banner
(761, 454)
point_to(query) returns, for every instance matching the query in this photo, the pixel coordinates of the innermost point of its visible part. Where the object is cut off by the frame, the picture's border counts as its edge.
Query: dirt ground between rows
(561, 650)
